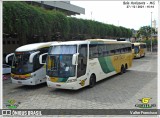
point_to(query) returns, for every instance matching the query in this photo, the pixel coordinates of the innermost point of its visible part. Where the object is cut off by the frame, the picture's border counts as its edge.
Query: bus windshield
(136, 49)
(59, 61)
(21, 64)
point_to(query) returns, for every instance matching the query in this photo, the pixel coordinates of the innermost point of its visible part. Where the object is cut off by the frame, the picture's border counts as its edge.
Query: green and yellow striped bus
(76, 64)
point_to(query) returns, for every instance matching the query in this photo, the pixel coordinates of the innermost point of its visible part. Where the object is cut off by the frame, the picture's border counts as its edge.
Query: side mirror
(41, 58)
(32, 56)
(11, 54)
(74, 59)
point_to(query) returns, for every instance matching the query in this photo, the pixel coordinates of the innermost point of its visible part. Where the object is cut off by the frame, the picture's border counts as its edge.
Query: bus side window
(93, 51)
(129, 49)
(100, 50)
(112, 49)
(82, 60)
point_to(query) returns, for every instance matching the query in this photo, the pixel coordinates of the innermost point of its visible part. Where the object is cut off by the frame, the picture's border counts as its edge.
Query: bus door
(82, 60)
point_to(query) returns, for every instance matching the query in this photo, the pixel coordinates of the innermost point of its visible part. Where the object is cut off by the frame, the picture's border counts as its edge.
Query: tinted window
(37, 65)
(82, 60)
(93, 51)
(108, 49)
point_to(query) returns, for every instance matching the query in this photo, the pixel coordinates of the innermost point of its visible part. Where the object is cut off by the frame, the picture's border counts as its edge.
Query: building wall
(10, 44)
(63, 6)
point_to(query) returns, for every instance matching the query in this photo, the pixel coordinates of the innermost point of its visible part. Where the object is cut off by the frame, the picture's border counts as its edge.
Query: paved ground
(116, 92)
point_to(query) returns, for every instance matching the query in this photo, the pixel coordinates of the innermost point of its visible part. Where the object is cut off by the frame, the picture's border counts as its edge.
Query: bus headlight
(71, 80)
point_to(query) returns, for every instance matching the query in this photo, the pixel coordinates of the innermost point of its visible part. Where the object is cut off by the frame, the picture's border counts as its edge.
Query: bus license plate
(19, 82)
(58, 85)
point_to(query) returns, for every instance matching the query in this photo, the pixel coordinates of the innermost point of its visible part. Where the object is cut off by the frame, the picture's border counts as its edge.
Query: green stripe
(106, 64)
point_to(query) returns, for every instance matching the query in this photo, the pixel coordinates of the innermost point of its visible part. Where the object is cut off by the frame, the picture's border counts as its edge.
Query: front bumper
(72, 85)
(30, 81)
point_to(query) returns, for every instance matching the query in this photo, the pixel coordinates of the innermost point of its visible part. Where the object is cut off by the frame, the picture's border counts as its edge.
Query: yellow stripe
(20, 76)
(53, 79)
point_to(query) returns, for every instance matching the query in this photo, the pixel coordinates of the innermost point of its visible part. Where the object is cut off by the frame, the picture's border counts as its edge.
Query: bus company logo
(82, 83)
(11, 104)
(145, 103)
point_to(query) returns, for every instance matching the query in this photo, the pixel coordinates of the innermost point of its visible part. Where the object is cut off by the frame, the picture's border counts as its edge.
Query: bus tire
(144, 55)
(92, 81)
(126, 66)
(122, 69)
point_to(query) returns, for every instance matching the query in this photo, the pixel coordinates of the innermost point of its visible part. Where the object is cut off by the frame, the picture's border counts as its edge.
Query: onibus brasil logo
(145, 103)
(11, 104)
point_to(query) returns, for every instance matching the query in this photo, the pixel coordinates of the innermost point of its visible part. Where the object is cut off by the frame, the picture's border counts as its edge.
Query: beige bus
(139, 50)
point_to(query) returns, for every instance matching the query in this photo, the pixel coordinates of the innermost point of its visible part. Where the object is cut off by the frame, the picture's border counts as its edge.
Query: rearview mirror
(9, 55)
(74, 59)
(32, 56)
(42, 57)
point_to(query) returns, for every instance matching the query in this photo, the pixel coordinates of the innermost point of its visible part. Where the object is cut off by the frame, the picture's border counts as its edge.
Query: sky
(116, 13)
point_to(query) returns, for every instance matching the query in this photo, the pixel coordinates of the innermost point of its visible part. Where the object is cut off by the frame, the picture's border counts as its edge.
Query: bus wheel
(126, 67)
(92, 81)
(144, 55)
(122, 69)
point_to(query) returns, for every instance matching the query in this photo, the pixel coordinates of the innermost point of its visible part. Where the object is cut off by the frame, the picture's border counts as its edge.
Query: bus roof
(91, 41)
(34, 46)
(71, 42)
(107, 41)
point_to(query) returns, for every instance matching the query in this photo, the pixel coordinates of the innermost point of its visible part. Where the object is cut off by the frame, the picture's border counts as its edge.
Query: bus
(26, 69)
(139, 49)
(76, 64)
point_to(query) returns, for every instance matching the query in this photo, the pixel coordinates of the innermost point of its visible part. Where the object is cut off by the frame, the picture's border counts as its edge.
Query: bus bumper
(30, 81)
(136, 55)
(72, 85)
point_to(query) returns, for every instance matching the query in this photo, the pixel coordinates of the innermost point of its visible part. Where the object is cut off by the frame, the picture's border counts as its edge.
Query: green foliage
(29, 21)
(148, 42)
(145, 32)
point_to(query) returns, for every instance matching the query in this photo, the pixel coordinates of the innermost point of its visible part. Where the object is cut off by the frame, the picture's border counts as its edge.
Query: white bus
(76, 64)
(26, 68)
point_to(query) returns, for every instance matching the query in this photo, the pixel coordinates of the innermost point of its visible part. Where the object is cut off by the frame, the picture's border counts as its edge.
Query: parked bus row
(71, 64)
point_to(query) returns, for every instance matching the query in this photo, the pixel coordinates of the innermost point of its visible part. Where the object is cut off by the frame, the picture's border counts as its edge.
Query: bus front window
(59, 61)
(21, 64)
(136, 49)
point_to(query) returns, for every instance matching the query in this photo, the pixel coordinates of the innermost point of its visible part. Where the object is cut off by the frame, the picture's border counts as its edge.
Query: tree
(145, 32)
(34, 24)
